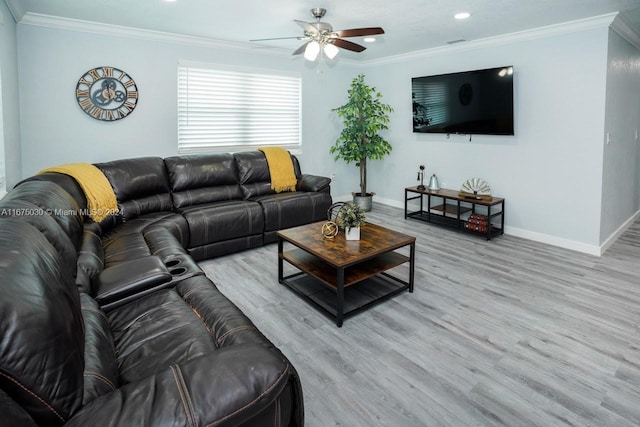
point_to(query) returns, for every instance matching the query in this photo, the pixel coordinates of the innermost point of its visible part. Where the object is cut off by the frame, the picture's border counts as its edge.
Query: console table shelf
(450, 209)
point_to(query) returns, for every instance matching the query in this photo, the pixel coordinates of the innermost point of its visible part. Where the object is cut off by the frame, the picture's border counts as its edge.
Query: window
(221, 109)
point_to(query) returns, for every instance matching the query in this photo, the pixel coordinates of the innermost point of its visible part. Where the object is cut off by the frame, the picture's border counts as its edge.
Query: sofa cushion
(245, 385)
(226, 247)
(141, 185)
(167, 237)
(139, 224)
(215, 222)
(253, 171)
(203, 178)
(100, 368)
(124, 248)
(286, 210)
(172, 326)
(41, 330)
(127, 241)
(13, 414)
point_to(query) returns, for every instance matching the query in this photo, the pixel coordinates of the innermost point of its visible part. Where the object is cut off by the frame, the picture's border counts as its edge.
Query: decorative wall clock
(107, 93)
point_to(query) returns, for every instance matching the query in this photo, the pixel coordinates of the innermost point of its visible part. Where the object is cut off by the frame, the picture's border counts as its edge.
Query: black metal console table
(450, 209)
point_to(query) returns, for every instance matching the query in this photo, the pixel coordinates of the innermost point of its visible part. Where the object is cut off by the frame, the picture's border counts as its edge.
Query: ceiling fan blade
(307, 27)
(345, 44)
(277, 38)
(359, 32)
(301, 49)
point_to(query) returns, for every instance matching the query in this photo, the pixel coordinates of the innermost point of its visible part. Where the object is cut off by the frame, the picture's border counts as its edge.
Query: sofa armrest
(225, 388)
(130, 278)
(90, 258)
(313, 183)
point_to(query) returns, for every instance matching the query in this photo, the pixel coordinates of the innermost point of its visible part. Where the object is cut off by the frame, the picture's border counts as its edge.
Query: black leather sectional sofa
(115, 324)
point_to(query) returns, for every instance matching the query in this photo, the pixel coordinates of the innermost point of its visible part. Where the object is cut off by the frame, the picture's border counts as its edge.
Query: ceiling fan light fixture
(321, 39)
(369, 39)
(312, 51)
(330, 50)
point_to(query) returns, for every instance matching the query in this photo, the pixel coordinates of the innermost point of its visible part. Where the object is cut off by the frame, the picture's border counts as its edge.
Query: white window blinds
(230, 110)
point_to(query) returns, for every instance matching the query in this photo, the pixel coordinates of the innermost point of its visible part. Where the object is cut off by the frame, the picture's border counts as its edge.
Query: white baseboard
(553, 240)
(614, 236)
(532, 235)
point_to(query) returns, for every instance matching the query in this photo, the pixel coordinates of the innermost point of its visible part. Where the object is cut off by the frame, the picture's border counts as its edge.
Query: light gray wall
(10, 97)
(550, 171)
(55, 130)
(620, 179)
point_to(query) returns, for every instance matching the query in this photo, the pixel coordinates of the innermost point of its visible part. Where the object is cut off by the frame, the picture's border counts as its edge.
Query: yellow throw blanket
(283, 177)
(101, 200)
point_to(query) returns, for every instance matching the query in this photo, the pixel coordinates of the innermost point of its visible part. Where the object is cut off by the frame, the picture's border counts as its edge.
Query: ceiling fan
(320, 34)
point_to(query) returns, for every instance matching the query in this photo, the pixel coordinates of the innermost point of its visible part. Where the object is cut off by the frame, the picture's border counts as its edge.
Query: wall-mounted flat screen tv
(470, 102)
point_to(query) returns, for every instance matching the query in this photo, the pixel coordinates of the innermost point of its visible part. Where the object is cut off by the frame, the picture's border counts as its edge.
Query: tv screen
(471, 102)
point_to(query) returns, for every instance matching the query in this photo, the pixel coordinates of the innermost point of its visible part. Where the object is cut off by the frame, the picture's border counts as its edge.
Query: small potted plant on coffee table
(350, 218)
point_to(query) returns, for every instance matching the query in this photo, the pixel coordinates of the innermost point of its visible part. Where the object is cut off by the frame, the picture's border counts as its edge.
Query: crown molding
(600, 21)
(621, 26)
(15, 8)
(56, 22)
(613, 20)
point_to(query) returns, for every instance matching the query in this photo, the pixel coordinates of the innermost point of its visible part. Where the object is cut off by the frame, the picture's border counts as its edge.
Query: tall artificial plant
(363, 116)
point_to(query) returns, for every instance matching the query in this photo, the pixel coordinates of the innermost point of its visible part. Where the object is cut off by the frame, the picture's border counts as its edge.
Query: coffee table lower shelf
(357, 297)
(341, 292)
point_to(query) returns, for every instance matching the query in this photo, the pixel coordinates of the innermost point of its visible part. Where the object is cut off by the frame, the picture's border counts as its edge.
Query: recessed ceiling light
(369, 39)
(462, 15)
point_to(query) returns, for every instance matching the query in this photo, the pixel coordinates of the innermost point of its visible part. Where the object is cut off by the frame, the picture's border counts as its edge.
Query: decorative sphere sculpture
(329, 230)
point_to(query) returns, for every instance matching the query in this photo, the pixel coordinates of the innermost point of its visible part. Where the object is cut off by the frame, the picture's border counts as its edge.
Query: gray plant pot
(364, 202)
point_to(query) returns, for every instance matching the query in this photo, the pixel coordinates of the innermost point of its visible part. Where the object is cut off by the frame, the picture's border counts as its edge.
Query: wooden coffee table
(342, 277)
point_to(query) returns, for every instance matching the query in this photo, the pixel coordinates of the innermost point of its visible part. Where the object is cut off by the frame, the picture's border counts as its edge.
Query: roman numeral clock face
(107, 93)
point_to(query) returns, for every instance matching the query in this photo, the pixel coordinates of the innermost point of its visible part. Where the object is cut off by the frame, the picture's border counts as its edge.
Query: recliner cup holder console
(173, 263)
(178, 271)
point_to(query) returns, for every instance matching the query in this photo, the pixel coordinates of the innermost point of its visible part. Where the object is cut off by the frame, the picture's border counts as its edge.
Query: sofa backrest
(41, 331)
(49, 199)
(203, 178)
(141, 185)
(68, 183)
(32, 214)
(253, 171)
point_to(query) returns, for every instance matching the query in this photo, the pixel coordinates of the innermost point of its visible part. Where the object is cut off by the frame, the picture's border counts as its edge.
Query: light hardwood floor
(503, 333)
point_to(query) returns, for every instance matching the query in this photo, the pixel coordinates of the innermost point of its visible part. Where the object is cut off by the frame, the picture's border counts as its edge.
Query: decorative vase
(352, 233)
(433, 183)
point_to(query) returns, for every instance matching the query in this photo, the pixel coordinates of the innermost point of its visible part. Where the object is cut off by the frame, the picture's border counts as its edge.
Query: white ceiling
(410, 25)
